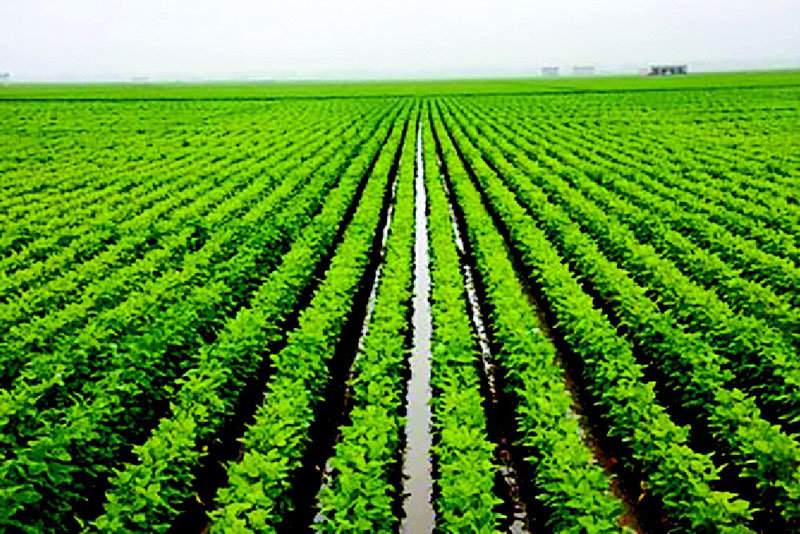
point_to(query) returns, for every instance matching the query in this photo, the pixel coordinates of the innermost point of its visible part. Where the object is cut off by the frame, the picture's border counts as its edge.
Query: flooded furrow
(364, 327)
(333, 411)
(517, 522)
(211, 474)
(418, 482)
(374, 291)
(593, 432)
(587, 431)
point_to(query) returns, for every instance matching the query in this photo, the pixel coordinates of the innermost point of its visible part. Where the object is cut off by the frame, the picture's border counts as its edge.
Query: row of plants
(764, 364)
(774, 217)
(77, 237)
(67, 347)
(115, 186)
(80, 189)
(257, 497)
(660, 147)
(573, 487)
(680, 479)
(208, 160)
(144, 495)
(741, 253)
(146, 247)
(699, 264)
(61, 279)
(203, 155)
(232, 232)
(692, 374)
(129, 376)
(92, 151)
(462, 452)
(30, 131)
(717, 183)
(26, 246)
(740, 248)
(657, 179)
(746, 146)
(758, 170)
(360, 489)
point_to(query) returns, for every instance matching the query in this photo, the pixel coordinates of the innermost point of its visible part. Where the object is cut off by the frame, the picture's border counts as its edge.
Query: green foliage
(462, 452)
(696, 375)
(225, 366)
(575, 491)
(257, 495)
(680, 477)
(157, 244)
(357, 494)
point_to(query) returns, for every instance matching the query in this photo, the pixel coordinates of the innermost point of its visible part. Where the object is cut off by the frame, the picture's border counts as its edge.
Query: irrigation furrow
(593, 433)
(333, 411)
(211, 476)
(418, 511)
(517, 509)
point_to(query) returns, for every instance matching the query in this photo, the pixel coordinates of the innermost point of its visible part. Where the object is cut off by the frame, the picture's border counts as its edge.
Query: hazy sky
(111, 39)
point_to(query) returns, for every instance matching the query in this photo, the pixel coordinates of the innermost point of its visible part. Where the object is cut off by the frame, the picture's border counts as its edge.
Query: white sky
(112, 39)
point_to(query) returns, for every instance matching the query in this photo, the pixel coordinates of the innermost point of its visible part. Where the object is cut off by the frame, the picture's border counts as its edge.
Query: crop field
(565, 305)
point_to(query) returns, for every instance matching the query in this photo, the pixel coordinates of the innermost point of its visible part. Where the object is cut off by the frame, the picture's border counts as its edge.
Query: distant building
(549, 71)
(583, 70)
(5, 76)
(140, 79)
(667, 70)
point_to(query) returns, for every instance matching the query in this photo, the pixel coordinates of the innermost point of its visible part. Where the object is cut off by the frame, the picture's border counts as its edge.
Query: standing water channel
(418, 482)
(516, 508)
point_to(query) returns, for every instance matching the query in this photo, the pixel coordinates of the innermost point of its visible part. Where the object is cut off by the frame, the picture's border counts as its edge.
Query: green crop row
(97, 189)
(678, 477)
(764, 363)
(770, 210)
(691, 370)
(72, 240)
(54, 282)
(103, 334)
(668, 186)
(741, 252)
(257, 495)
(152, 250)
(701, 265)
(462, 453)
(89, 148)
(144, 495)
(575, 490)
(82, 191)
(359, 492)
(143, 364)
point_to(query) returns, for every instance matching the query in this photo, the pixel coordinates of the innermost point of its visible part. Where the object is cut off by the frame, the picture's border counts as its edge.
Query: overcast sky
(163, 39)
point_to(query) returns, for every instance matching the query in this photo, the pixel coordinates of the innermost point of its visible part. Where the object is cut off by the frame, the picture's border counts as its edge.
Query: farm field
(553, 305)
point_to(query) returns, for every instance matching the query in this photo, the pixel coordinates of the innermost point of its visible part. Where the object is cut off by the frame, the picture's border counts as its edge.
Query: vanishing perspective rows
(238, 315)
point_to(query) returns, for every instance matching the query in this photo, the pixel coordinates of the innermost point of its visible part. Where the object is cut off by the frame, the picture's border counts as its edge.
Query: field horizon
(270, 89)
